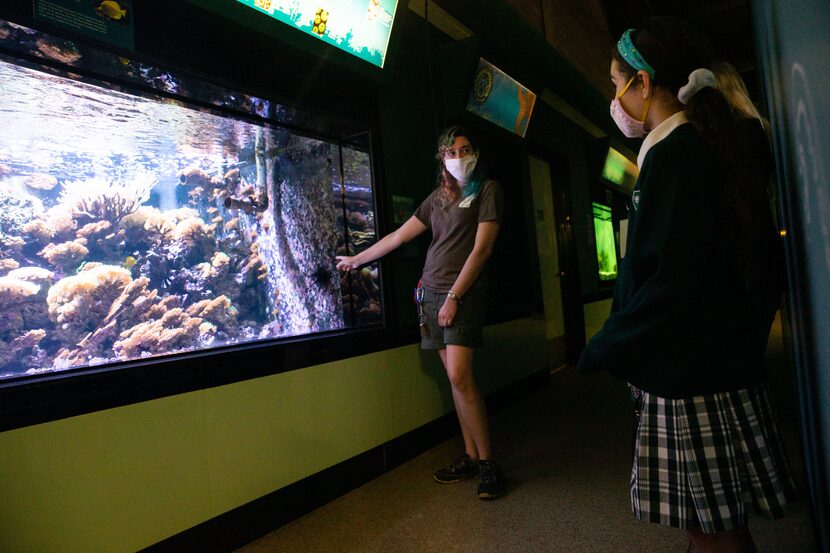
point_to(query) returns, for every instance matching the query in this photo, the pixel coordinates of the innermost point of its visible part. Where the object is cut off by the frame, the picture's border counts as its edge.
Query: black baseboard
(253, 520)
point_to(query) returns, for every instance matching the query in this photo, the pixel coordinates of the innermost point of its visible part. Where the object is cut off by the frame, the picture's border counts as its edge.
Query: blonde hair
(733, 88)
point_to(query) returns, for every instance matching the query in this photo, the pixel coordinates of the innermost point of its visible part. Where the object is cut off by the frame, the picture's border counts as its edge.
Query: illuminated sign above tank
(359, 27)
(500, 99)
(619, 170)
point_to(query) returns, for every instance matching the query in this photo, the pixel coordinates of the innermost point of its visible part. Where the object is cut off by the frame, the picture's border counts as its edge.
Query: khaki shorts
(466, 329)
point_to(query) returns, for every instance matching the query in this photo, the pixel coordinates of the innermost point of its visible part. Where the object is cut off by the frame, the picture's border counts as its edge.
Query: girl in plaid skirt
(696, 295)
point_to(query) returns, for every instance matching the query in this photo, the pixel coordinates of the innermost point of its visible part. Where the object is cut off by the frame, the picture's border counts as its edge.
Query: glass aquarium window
(134, 226)
(606, 243)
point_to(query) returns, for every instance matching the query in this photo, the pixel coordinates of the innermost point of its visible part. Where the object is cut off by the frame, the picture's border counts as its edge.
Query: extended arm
(409, 230)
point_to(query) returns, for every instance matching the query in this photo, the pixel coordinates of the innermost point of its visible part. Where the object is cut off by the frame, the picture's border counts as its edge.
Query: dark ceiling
(727, 23)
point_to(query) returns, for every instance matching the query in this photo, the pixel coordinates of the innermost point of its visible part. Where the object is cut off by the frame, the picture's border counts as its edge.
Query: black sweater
(684, 321)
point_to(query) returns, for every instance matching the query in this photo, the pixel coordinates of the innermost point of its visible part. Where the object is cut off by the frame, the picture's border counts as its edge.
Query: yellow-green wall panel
(110, 481)
(125, 478)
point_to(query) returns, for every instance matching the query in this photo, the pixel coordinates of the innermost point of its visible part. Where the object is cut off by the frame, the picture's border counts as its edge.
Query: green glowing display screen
(619, 170)
(606, 243)
(359, 27)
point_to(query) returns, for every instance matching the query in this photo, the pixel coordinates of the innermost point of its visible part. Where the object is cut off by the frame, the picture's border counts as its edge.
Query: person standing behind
(733, 88)
(463, 213)
(695, 298)
(755, 128)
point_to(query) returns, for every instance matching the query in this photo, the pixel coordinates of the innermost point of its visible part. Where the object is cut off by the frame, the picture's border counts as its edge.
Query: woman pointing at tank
(463, 213)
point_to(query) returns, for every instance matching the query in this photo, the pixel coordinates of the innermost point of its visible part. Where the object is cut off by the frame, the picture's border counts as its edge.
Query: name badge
(467, 201)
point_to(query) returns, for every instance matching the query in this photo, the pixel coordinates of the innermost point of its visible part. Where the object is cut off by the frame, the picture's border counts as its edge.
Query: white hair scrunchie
(699, 78)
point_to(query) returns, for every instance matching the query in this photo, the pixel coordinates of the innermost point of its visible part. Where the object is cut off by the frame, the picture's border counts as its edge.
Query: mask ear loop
(648, 100)
(624, 90)
(645, 111)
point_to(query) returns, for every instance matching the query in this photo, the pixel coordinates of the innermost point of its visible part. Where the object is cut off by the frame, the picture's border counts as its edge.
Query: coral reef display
(132, 226)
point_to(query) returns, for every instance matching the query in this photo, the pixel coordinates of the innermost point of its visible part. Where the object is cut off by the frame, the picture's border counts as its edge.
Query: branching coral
(14, 295)
(78, 304)
(167, 303)
(101, 241)
(219, 311)
(36, 275)
(66, 255)
(8, 265)
(99, 199)
(133, 302)
(138, 218)
(38, 231)
(147, 225)
(175, 330)
(92, 229)
(12, 243)
(193, 240)
(14, 291)
(190, 230)
(59, 221)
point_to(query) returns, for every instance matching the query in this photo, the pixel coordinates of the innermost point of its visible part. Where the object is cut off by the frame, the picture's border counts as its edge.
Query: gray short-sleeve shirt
(453, 229)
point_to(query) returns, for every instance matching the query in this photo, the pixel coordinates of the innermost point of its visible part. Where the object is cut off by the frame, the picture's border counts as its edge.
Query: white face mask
(462, 167)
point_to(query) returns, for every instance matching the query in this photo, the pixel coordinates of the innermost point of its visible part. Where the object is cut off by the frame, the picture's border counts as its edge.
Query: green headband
(630, 54)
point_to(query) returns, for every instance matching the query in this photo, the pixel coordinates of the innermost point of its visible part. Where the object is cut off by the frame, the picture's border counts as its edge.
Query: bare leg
(738, 540)
(458, 362)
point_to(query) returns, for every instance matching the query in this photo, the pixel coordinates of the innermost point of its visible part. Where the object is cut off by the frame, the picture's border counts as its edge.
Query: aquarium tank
(606, 242)
(145, 213)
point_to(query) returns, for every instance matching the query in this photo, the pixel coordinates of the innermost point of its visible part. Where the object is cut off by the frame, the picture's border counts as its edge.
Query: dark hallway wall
(792, 39)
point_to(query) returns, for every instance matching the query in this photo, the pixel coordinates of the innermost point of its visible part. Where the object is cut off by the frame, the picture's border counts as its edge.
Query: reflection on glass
(606, 245)
(134, 226)
(361, 293)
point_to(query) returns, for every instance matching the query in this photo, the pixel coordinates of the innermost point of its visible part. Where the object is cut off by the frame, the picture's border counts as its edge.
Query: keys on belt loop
(422, 318)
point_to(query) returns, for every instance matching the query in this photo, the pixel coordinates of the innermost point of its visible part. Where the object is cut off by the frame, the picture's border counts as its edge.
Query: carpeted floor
(565, 451)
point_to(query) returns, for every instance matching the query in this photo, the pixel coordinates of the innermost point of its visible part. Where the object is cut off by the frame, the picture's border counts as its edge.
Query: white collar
(660, 132)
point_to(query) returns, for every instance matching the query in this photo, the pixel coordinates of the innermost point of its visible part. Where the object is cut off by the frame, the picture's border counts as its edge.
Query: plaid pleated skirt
(700, 462)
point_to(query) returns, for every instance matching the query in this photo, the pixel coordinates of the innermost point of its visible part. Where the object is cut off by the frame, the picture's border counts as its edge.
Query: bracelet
(453, 296)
